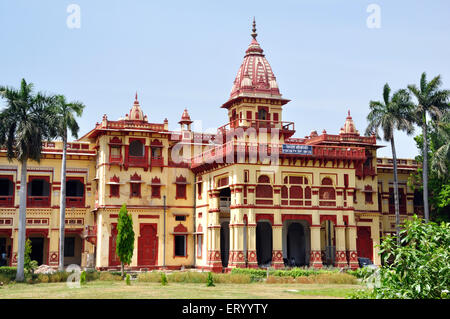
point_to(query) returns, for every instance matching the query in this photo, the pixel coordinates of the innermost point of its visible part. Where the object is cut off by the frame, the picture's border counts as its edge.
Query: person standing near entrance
(3, 258)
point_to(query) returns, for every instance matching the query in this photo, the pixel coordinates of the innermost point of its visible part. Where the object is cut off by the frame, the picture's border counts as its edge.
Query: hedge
(294, 272)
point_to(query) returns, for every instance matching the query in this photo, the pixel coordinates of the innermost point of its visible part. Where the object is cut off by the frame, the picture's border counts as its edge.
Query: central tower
(255, 99)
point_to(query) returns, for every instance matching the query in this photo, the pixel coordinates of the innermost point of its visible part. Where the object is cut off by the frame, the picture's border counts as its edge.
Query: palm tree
(432, 102)
(24, 124)
(64, 120)
(390, 115)
(441, 157)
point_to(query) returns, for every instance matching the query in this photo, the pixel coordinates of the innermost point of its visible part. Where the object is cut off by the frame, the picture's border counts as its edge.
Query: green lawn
(147, 290)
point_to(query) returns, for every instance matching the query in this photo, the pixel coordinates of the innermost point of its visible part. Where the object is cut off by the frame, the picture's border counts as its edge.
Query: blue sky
(179, 54)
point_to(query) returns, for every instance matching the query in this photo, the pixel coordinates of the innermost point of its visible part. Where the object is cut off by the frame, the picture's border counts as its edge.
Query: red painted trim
(328, 217)
(264, 216)
(308, 218)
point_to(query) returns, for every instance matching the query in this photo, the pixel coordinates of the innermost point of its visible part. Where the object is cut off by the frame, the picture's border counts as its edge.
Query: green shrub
(361, 273)
(92, 274)
(258, 274)
(5, 279)
(43, 278)
(418, 268)
(7, 274)
(210, 280)
(164, 281)
(83, 277)
(128, 280)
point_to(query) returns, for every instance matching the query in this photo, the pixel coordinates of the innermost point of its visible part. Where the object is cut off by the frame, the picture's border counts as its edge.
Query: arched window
(262, 114)
(136, 148)
(75, 188)
(327, 192)
(264, 189)
(308, 192)
(264, 179)
(284, 192)
(296, 192)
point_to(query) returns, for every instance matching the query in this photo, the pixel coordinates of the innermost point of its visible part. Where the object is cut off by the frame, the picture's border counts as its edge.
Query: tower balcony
(157, 161)
(6, 201)
(232, 150)
(285, 127)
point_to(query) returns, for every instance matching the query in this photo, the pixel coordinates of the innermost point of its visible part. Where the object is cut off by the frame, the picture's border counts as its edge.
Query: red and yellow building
(249, 196)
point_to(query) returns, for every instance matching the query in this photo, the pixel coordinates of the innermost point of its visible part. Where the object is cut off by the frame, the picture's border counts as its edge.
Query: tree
(64, 120)
(28, 264)
(438, 165)
(390, 115)
(432, 102)
(24, 124)
(441, 159)
(420, 267)
(125, 237)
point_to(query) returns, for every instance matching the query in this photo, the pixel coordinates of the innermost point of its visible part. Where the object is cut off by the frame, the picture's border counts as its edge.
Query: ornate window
(327, 194)
(6, 191)
(136, 148)
(180, 187)
(114, 190)
(135, 185)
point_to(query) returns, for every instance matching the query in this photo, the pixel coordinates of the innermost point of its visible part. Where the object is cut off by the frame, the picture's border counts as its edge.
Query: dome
(349, 126)
(136, 113)
(255, 77)
(185, 118)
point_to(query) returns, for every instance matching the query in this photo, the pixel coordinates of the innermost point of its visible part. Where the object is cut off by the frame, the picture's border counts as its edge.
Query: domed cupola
(136, 113)
(349, 126)
(255, 77)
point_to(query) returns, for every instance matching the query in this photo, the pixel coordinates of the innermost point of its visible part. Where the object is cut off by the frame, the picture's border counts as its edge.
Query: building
(251, 195)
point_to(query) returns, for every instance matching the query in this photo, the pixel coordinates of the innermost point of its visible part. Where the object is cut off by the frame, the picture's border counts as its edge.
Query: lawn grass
(148, 290)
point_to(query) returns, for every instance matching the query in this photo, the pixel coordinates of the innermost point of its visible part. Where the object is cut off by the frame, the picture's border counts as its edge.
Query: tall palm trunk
(62, 206)
(396, 201)
(425, 170)
(20, 276)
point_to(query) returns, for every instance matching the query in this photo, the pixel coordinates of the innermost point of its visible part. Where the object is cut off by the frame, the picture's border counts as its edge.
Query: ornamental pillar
(315, 196)
(315, 259)
(214, 260)
(340, 259)
(252, 261)
(237, 257)
(277, 246)
(352, 254)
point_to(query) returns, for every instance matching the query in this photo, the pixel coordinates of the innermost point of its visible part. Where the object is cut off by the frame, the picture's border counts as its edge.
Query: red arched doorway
(364, 243)
(113, 258)
(148, 245)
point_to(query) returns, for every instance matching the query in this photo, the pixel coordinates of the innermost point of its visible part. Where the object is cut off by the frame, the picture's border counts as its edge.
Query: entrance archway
(225, 242)
(296, 245)
(148, 245)
(328, 242)
(73, 246)
(264, 243)
(364, 243)
(37, 249)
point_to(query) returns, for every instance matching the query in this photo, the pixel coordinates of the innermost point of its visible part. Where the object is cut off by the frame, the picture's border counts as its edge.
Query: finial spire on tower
(254, 34)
